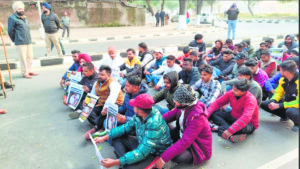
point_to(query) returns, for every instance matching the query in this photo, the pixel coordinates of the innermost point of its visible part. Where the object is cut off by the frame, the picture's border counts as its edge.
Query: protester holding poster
(289, 43)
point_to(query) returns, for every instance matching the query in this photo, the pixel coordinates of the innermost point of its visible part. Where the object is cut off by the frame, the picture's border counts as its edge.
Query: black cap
(240, 56)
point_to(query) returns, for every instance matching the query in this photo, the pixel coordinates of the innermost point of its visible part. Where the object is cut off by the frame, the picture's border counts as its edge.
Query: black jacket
(89, 81)
(225, 67)
(51, 23)
(191, 78)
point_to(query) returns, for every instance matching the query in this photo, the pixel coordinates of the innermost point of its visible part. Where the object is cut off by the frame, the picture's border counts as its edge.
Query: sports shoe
(295, 128)
(2, 111)
(237, 138)
(75, 114)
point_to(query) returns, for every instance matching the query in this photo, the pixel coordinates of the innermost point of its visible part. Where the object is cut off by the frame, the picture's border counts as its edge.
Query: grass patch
(265, 16)
(113, 24)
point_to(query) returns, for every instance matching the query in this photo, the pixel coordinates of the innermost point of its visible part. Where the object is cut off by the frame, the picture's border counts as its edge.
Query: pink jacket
(245, 110)
(196, 134)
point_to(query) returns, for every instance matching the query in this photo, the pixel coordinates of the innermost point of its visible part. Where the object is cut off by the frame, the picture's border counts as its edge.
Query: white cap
(158, 50)
(18, 4)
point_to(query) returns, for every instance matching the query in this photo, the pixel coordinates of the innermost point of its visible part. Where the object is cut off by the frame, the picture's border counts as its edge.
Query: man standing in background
(232, 13)
(51, 25)
(19, 33)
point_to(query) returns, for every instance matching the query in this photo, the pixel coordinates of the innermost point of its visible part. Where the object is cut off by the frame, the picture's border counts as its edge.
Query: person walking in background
(167, 17)
(232, 13)
(162, 17)
(157, 18)
(19, 33)
(65, 20)
(187, 17)
(51, 25)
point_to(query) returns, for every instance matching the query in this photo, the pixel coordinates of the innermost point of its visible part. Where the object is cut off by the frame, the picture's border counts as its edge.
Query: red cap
(143, 101)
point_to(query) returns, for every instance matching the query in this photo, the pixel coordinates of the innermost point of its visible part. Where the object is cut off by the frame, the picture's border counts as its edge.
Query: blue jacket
(272, 83)
(74, 67)
(126, 109)
(18, 30)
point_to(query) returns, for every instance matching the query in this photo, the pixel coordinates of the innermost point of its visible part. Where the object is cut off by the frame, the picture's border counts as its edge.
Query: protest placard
(98, 154)
(87, 106)
(111, 119)
(277, 54)
(74, 95)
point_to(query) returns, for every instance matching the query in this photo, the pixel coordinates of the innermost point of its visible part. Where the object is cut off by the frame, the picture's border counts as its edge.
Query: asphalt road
(37, 133)
(244, 30)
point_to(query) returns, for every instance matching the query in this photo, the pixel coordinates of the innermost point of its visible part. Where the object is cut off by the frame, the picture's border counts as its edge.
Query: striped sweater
(245, 110)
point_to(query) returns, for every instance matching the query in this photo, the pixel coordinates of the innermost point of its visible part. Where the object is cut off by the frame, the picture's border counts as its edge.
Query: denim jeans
(231, 28)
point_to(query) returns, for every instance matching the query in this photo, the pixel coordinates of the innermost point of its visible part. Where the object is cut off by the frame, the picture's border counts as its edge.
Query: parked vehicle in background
(206, 18)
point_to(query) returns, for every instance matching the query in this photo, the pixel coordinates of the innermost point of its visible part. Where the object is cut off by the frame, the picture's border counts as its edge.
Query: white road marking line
(278, 162)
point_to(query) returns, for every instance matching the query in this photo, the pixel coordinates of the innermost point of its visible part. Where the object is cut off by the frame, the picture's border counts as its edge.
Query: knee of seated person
(292, 112)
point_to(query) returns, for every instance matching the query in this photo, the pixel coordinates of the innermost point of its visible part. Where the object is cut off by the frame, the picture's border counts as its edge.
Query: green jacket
(153, 135)
(256, 55)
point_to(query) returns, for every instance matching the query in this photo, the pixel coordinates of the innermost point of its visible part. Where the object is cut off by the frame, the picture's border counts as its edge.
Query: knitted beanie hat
(185, 95)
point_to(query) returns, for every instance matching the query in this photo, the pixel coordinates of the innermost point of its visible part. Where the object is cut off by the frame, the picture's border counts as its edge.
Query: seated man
(208, 88)
(74, 68)
(144, 55)
(132, 66)
(165, 68)
(167, 93)
(224, 65)
(229, 43)
(238, 48)
(133, 88)
(269, 43)
(197, 60)
(192, 137)
(242, 120)
(249, 48)
(214, 53)
(240, 59)
(285, 101)
(267, 63)
(245, 73)
(289, 43)
(154, 65)
(189, 74)
(113, 60)
(109, 91)
(259, 75)
(199, 44)
(256, 55)
(186, 53)
(151, 140)
(88, 80)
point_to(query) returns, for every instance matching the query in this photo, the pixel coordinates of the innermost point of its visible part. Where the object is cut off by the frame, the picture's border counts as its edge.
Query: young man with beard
(133, 88)
(192, 138)
(199, 43)
(189, 74)
(240, 59)
(88, 80)
(109, 91)
(267, 63)
(243, 118)
(144, 55)
(154, 65)
(167, 93)
(74, 68)
(285, 101)
(151, 140)
(289, 43)
(256, 55)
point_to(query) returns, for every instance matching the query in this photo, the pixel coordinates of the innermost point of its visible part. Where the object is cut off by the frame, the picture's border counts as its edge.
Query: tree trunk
(212, 11)
(182, 15)
(163, 4)
(150, 7)
(249, 8)
(199, 7)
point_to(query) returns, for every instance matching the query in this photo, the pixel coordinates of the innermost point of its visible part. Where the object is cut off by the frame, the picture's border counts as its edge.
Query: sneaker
(2, 111)
(238, 138)
(295, 128)
(214, 127)
(75, 114)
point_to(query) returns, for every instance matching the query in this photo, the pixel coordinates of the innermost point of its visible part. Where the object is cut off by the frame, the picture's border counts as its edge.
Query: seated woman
(215, 52)
(191, 137)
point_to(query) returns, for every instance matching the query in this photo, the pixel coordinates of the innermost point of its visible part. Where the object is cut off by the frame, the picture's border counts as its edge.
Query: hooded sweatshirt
(126, 109)
(293, 46)
(168, 94)
(196, 133)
